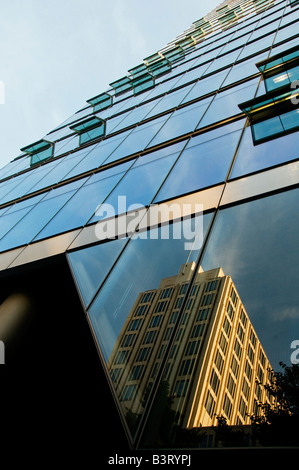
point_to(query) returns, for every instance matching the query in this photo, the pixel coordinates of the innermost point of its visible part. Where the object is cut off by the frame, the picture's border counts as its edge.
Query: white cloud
(286, 313)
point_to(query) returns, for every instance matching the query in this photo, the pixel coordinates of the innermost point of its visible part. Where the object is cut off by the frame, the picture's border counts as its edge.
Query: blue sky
(57, 54)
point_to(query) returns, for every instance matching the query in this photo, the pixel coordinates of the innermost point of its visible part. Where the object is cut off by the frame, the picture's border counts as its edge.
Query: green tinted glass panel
(92, 134)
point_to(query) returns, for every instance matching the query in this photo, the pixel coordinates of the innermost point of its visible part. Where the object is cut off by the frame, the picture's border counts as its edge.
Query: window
(210, 404)
(89, 129)
(227, 406)
(181, 388)
(219, 362)
(201, 164)
(39, 151)
(121, 86)
(275, 113)
(215, 382)
(100, 102)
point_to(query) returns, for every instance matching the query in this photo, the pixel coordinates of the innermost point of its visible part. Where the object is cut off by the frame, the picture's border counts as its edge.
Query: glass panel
(170, 100)
(91, 265)
(15, 167)
(226, 103)
(132, 309)
(83, 204)
(241, 322)
(290, 120)
(268, 128)
(15, 213)
(41, 156)
(182, 121)
(265, 30)
(224, 61)
(201, 164)
(29, 226)
(58, 169)
(92, 134)
(243, 69)
(206, 85)
(142, 182)
(65, 145)
(255, 229)
(137, 140)
(131, 117)
(286, 33)
(257, 46)
(192, 74)
(25, 184)
(252, 157)
(8, 187)
(95, 156)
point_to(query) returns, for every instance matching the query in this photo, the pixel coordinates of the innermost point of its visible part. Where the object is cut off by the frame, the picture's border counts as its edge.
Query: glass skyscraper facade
(189, 160)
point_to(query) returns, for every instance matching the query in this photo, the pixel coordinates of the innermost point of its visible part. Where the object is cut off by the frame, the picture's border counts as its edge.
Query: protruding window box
(90, 129)
(272, 115)
(175, 54)
(100, 102)
(280, 69)
(39, 151)
(121, 86)
(157, 65)
(143, 83)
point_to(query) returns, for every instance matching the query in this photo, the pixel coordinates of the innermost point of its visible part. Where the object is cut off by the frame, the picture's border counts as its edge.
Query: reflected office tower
(203, 128)
(216, 366)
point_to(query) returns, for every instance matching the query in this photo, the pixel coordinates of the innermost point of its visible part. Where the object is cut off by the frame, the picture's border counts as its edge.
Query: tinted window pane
(30, 225)
(142, 182)
(137, 140)
(255, 157)
(247, 314)
(206, 85)
(128, 301)
(202, 164)
(13, 214)
(255, 243)
(83, 204)
(182, 121)
(268, 128)
(226, 103)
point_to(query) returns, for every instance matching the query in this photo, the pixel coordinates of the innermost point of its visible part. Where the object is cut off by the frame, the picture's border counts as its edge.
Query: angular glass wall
(132, 313)
(228, 344)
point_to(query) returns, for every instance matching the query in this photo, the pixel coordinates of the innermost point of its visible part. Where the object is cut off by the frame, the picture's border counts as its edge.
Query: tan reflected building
(217, 362)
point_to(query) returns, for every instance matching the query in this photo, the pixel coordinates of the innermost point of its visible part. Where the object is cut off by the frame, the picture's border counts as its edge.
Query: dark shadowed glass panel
(205, 161)
(130, 315)
(252, 157)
